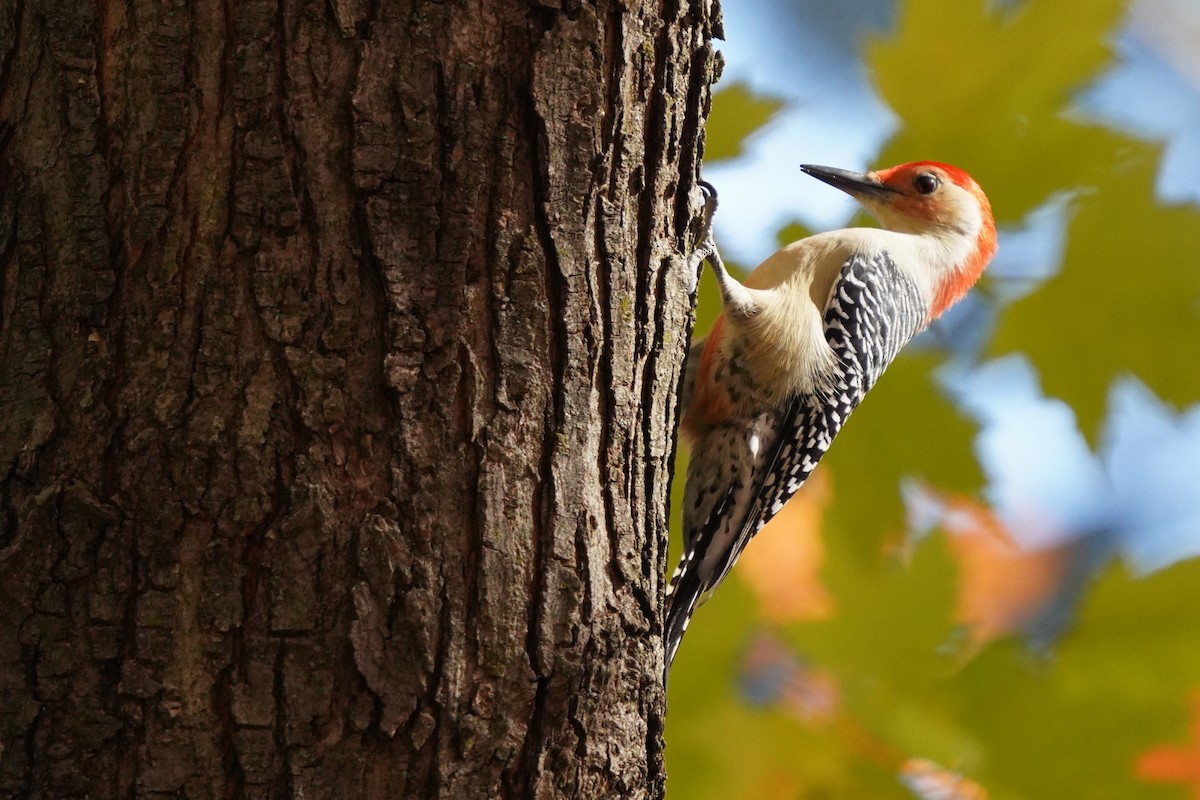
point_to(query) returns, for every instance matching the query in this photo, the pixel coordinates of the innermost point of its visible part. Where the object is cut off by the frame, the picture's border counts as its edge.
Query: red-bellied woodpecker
(801, 342)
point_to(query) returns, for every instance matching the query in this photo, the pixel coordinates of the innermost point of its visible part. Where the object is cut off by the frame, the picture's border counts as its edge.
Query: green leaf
(986, 92)
(1126, 301)
(736, 113)
(1073, 725)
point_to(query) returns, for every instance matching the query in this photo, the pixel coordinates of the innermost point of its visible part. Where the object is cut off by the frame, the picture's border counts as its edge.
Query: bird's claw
(707, 245)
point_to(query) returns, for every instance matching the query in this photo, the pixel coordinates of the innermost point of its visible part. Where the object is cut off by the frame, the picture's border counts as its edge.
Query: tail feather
(684, 596)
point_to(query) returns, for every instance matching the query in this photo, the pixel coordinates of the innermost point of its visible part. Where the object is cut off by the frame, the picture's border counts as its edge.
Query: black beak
(855, 184)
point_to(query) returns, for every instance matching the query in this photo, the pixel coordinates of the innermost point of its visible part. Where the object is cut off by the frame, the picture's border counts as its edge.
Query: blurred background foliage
(991, 587)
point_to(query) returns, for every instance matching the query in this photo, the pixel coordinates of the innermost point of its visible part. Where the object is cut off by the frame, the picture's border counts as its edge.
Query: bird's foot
(707, 246)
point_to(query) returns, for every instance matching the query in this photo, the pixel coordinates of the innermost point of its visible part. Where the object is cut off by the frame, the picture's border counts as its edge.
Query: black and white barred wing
(873, 311)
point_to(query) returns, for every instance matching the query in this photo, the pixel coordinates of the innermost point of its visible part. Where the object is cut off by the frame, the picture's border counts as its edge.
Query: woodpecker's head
(936, 201)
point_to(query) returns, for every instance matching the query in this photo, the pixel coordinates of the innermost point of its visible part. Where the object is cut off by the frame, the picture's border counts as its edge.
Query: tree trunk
(338, 353)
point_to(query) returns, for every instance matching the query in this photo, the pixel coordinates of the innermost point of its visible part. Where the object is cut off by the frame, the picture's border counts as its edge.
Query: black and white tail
(683, 596)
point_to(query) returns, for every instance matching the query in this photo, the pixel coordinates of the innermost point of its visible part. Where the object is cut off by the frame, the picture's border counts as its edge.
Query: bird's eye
(926, 183)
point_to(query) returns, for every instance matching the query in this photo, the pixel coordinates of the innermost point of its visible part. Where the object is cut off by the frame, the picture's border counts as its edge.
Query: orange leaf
(782, 564)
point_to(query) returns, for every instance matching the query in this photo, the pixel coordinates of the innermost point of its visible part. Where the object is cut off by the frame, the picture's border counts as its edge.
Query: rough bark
(338, 350)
